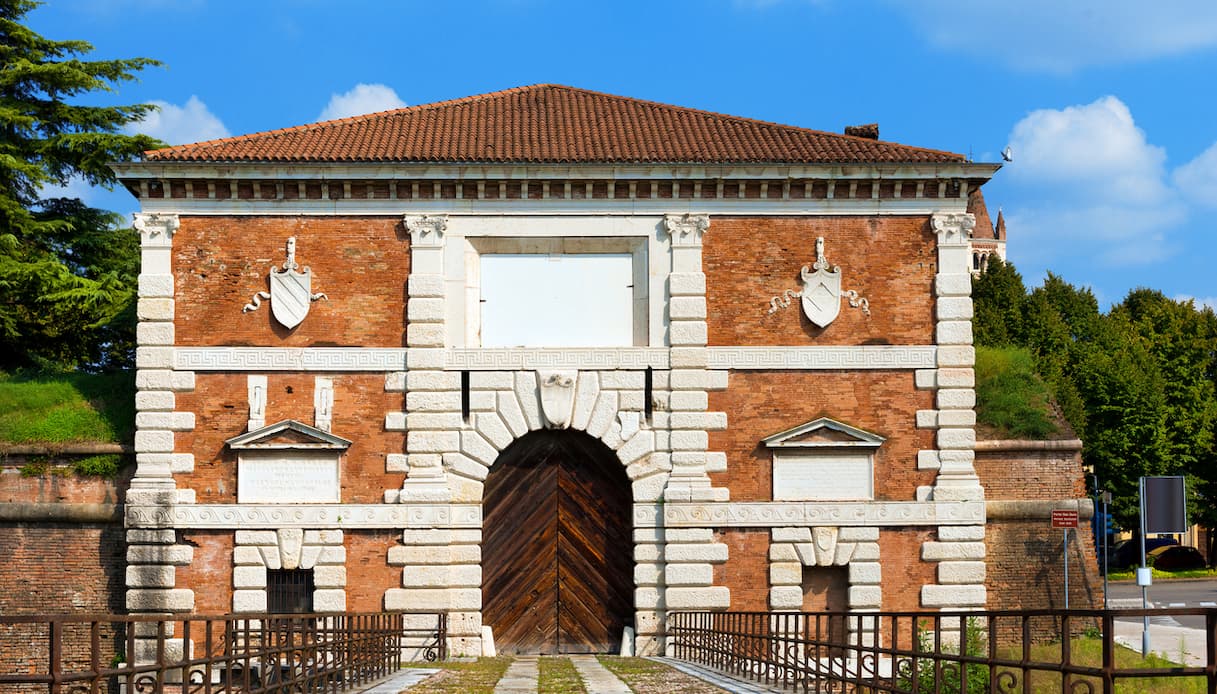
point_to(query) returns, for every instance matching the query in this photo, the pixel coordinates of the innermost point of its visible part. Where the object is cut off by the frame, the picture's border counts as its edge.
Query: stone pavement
(521, 676)
(1172, 642)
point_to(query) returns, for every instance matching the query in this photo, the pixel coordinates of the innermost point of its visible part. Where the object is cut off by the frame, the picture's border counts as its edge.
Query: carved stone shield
(557, 389)
(821, 295)
(290, 292)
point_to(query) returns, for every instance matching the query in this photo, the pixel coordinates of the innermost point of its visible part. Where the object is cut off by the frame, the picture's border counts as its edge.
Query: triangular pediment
(824, 433)
(288, 434)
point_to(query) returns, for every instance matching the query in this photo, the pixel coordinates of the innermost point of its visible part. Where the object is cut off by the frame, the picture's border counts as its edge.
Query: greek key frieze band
(321, 516)
(765, 514)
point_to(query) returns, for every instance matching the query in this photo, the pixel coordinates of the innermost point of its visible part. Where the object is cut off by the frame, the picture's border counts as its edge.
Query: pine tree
(67, 271)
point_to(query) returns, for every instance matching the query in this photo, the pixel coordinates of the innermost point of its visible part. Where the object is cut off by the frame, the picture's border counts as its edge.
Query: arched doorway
(557, 546)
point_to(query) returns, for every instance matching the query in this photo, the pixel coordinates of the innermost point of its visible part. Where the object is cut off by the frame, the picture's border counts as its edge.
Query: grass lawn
(1130, 574)
(476, 677)
(67, 408)
(559, 676)
(1088, 652)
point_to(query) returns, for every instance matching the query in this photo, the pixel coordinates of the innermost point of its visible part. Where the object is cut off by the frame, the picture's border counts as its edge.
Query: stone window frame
(642, 236)
(790, 444)
(856, 547)
(255, 551)
(260, 444)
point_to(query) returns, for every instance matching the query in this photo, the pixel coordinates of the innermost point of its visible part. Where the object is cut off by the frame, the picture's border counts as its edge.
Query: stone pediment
(288, 434)
(824, 433)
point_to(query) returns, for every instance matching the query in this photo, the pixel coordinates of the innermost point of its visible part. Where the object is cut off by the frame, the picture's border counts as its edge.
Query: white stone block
(688, 534)
(953, 284)
(687, 332)
(463, 465)
(711, 421)
(512, 414)
(433, 441)
(783, 552)
(689, 574)
(425, 310)
(603, 415)
(151, 576)
(952, 551)
(587, 390)
(171, 421)
(181, 381)
(786, 573)
(155, 401)
(329, 600)
(425, 358)
(689, 553)
(957, 459)
(257, 537)
(687, 308)
(958, 533)
(153, 357)
(155, 285)
(700, 598)
(956, 332)
(928, 460)
(490, 426)
(476, 447)
(154, 334)
(961, 572)
(154, 442)
(957, 418)
(153, 379)
(953, 596)
(640, 445)
(433, 380)
(954, 308)
(249, 577)
(646, 598)
(483, 401)
(631, 400)
(329, 576)
(434, 599)
(160, 600)
(252, 556)
(790, 534)
(955, 399)
(185, 496)
(622, 380)
(464, 575)
(649, 487)
(956, 355)
(866, 551)
(646, 574)
(786, 598)
(698, 379)
(419, 285)
(426, 334)
(687, 284)
(865, 573)
(716, 462)
(689, 401)
(857, 534)
(491, 380)
(647, 553)
(332, 555)
(249, 601)
(865, 596)
(956, 378)
(688, 357)
(421, 421)
(426, 555)
(925, 379)
(956, 439)
(927, 419)
(154, 309)
(395, 382)
(150, 537)
(396, 462)
(689, 440)
(435, 536)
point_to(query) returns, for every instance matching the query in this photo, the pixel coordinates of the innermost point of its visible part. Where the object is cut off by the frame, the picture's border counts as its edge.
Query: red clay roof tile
(548, 124)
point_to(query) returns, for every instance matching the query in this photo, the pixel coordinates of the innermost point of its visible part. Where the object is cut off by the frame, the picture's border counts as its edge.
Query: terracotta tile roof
(548, 124)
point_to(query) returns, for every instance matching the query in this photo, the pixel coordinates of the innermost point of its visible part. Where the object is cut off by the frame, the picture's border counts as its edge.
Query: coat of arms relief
(821, 293)
(291, 291)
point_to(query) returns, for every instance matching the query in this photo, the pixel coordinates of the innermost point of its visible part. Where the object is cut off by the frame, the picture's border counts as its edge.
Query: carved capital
(686, 229)
(426, 230)
(953, 229)
(155, 229)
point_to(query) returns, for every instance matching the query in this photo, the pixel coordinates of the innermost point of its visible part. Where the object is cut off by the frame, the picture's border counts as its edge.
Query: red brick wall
(360, 263)
(889, 260)
(746, 571)
(210, 573)
(54, 568)
(903, 571)
(368, 572)
(761, 403)
(1034, 475)
(221, 406)
(60, 485)
(1026, 567)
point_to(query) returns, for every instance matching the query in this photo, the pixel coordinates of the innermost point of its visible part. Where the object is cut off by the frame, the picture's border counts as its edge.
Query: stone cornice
(155, 229)
(321, 516)
(426, 229)
(765, 514)
(823, 358)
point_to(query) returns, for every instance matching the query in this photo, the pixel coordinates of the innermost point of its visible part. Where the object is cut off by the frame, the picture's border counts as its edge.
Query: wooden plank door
(557, 552)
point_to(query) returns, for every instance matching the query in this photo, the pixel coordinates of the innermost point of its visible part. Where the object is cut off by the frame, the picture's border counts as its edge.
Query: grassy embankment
(59, 410)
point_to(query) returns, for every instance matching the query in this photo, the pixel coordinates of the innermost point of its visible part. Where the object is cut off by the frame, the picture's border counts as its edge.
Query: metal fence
(186, 653)
(959, 652)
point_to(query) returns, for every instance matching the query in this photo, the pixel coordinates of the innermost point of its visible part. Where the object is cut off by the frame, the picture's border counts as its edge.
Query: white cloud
(1197, 179)
(1100, 189)
(1201, 302)
(178, 125)
(364, 98)
(1061, 37)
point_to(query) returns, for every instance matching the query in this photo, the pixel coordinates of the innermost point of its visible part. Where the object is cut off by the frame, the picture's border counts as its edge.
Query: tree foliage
(67, 271)
(1138, 384)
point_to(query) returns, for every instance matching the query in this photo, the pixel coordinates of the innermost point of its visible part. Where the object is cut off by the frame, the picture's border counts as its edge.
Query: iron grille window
(289, 591)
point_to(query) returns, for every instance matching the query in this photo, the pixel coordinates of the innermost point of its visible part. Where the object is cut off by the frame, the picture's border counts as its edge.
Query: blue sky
(1109, 106)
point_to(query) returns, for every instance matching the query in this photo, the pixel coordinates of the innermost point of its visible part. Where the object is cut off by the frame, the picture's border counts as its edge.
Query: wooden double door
(557, 546)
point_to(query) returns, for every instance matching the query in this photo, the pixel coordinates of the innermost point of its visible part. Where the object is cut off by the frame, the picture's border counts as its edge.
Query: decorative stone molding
(155, 229)
(208, 359)
(557, 395)
(953, 229)
(323, 403)
(426, 230)
(256, 386)
(313, 516)
(578, 358)
(255, 551)
(760, 514)
(290, 291)
(821, 294)
(686, 229)
(793, 548)
(817, 358)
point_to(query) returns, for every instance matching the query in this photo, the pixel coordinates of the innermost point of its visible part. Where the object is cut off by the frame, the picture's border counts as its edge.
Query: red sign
(1064, 519)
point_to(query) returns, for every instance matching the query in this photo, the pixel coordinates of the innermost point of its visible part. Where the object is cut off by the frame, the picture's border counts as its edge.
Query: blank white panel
(822, 477)
(567, 300)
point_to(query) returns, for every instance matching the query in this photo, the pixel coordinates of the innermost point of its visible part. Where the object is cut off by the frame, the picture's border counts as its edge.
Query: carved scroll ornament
(821, 293)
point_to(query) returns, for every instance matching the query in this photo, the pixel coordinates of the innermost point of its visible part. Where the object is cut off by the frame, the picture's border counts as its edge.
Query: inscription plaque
(288, 478)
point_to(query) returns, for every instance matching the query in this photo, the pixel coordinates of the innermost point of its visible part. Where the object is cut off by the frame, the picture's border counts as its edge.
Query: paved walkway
(596, 677)
(1172, 642)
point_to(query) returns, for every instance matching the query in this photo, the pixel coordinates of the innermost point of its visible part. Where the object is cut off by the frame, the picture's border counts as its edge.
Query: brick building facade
(787, 422)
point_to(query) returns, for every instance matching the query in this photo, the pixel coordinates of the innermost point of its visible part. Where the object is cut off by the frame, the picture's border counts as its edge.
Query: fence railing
(251, 653)
(960, 652)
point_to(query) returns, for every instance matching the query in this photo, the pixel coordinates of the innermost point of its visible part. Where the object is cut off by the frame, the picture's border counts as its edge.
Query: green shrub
(1010, 396)
(947, 679)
